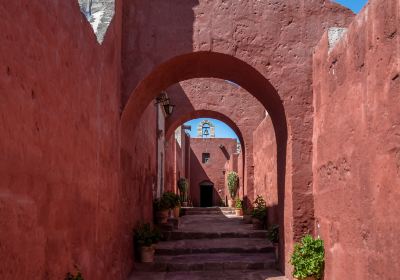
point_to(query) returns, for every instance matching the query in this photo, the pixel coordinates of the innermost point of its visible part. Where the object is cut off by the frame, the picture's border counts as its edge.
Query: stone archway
(222, 99)
(222, 66)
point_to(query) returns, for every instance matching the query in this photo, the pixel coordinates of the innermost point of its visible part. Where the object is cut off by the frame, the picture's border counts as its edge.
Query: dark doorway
(206, 194)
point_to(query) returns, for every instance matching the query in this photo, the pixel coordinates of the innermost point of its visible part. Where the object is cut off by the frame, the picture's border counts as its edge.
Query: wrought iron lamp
(164, 100)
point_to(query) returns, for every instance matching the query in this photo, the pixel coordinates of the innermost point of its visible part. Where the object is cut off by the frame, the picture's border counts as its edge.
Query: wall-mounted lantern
(164, 100)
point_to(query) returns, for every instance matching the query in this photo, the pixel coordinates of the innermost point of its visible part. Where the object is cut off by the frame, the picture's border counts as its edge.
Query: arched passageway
(220, 98)
(215, 65)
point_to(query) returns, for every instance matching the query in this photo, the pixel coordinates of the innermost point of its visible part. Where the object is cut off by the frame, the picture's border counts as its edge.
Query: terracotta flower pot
(230, 202)
(257, 224)
(147, 254)
(162, 216)
(239, 212)
(184, 204)
(176, 211)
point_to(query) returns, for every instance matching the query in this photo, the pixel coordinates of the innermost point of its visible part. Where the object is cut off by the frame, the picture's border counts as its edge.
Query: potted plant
(183, 187)
(145, 237)
(77, 276)
(177, 205)
(273, 236)
(259, 213)
(161, 208)
(238, 207)
(233, 185)
(308, 259)
(173, 201)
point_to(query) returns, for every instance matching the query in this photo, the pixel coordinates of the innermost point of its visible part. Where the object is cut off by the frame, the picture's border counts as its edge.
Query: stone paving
(211, 243)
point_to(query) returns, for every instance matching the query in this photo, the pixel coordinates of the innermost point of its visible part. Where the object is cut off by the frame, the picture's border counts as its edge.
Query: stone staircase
(211, 243)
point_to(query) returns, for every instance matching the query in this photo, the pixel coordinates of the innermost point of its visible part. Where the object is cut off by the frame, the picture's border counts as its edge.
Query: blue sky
(221, 129)
(354, 5)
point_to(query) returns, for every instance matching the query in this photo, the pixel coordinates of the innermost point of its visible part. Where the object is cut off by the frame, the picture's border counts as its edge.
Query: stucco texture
(356, 160)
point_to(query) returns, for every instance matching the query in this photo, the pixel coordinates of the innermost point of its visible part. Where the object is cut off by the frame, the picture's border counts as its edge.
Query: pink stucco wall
(356, 159)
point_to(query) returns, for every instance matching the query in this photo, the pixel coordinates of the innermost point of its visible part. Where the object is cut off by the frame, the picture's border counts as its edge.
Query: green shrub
(259, 202)
(238, 203)
(145, 235)
(259, 213)
(161, 204)
(183, 187)
(273, 233)
(308, 258)
(233, 183)
(260, 208)
(172, 199)
(71, 276)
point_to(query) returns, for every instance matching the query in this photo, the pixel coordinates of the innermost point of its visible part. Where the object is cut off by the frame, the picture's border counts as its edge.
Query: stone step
(210, 275)
(182, 235)
(206, 246)
(216, 262)
(208, 210)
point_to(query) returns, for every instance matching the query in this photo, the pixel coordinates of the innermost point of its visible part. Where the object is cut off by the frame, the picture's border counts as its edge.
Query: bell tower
(206, 129)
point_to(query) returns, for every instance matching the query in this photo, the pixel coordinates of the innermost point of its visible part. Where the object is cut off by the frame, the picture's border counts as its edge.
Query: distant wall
(356, 154)
(265, 180)
(213, 170)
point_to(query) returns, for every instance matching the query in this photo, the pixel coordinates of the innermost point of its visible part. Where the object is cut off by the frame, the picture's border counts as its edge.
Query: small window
(205, 157)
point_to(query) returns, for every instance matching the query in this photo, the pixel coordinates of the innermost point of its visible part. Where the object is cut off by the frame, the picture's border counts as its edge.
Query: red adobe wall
(170, 164)
(60, 195)
(213, 170)
(356, 161)
(176, 160)
(265, 181)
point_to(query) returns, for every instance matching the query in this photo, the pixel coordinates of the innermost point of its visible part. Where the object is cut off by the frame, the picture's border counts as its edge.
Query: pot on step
(176, 211)
(230, 203)
(162, 216)
(239, 212)
(147, 254)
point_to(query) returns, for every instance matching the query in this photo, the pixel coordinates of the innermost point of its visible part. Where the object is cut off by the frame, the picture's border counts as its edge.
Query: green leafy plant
(259, 202)
(161, 204)
(233, 183)
(260, 208)
(145, 235)
(273, 233)
(172, 199)
(308, 258)
(259, 213)
(77, 276)
(238, 203)
(183, 187)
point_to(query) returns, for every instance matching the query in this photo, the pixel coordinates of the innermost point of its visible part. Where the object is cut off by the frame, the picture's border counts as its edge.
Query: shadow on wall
(197, 175)
(155, 16)
(138, 142)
